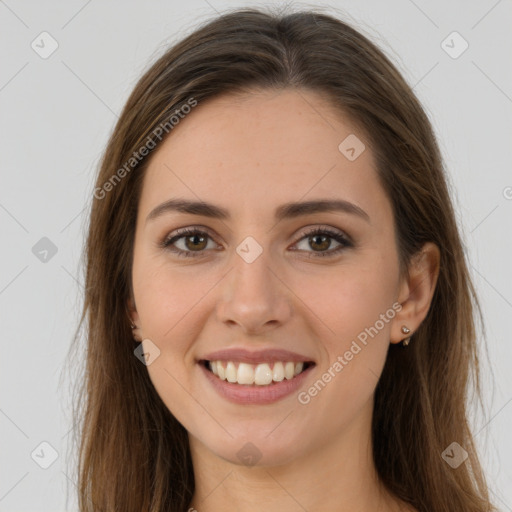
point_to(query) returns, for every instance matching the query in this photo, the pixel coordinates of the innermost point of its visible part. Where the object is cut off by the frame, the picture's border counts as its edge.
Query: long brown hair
(133, 453)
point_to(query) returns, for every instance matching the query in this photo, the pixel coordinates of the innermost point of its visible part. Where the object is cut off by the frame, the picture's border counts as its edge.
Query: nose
(254, 297)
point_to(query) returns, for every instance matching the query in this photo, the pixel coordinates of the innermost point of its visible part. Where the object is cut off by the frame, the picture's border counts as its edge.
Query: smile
(262, 374)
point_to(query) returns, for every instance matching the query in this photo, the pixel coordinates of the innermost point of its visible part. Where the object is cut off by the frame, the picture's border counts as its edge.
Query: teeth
(278, 372)
(289, 370)
(231, 373)
(261, 374)
(245, 374)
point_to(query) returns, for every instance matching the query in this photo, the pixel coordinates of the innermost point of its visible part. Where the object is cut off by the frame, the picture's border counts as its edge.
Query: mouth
(262, 374)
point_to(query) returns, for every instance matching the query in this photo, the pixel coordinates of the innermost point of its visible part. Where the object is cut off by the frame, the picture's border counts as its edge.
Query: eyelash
(186, 232)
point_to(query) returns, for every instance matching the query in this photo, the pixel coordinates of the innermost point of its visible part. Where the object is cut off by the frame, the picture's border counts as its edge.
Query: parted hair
(133, 455)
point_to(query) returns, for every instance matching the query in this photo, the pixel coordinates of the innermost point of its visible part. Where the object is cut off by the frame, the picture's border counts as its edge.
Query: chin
(257, 451)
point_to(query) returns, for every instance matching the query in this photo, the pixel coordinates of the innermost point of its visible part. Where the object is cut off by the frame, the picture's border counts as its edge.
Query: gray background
(57, 113)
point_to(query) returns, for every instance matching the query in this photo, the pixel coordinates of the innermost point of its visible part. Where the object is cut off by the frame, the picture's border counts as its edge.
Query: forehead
(255, 151)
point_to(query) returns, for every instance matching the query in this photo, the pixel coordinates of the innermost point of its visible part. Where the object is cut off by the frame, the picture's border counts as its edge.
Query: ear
(134, 318)
(416, 291)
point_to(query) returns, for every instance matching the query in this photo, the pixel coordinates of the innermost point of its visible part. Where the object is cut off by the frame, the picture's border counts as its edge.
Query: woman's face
(259, 279)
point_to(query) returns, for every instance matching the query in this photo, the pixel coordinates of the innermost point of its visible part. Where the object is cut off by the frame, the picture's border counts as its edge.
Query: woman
(280, 314)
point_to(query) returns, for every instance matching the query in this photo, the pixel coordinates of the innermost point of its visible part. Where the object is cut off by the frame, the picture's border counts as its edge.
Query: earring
(406, 330)
(133, 326)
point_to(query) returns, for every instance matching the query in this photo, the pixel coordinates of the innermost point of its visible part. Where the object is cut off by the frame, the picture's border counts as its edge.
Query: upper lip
(256, 356)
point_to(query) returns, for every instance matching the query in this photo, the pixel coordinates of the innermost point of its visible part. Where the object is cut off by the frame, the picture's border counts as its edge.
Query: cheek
(168, 303)
(164, 295)
(355, 306)
(173, 306)
(355, 345)
(353, 299)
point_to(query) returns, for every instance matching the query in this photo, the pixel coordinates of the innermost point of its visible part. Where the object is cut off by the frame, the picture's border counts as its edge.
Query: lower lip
(253, 394)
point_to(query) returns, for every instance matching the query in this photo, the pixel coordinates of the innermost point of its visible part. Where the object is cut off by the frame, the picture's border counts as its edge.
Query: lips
(255, 377)
(241, 355)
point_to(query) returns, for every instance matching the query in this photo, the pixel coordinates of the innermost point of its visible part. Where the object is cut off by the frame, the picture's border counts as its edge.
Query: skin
(251, 153)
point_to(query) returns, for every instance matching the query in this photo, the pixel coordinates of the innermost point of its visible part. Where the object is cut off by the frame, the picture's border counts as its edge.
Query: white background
(57, 113)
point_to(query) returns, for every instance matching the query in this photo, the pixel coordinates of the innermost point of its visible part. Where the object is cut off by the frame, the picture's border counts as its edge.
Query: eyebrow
(285, 211)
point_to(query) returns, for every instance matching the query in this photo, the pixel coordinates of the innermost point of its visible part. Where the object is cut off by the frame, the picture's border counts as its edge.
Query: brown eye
(187, 242)
(321, 242)
(194, 242)
(321, 239)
